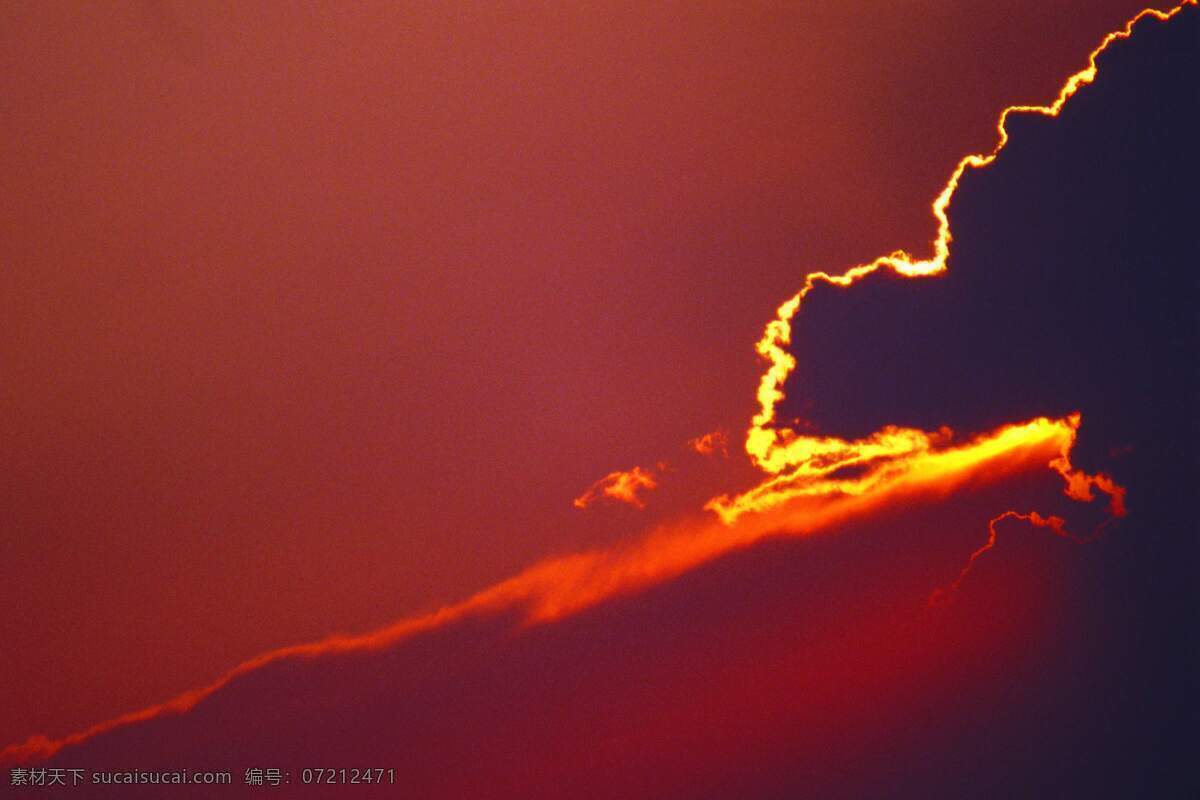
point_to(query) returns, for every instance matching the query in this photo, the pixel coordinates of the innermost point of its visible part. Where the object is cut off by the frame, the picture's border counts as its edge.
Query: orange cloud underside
(563, 586)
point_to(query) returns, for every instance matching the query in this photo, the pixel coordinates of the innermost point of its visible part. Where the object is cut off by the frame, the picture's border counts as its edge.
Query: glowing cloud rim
(808, 465)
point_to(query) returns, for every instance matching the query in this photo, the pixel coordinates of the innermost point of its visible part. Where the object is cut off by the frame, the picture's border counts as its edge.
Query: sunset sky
(405, 355)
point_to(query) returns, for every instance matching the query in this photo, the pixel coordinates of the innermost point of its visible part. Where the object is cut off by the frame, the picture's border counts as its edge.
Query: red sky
(316, 320)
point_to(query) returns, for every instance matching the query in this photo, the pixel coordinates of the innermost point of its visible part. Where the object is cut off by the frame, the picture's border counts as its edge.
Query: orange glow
(623, 487)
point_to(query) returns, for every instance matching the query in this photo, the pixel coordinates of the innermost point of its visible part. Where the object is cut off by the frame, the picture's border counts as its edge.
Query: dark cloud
(1071, 282)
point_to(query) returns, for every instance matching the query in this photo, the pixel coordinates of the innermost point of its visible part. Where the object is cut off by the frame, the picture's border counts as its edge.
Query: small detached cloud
(715, 443)
(623, 487)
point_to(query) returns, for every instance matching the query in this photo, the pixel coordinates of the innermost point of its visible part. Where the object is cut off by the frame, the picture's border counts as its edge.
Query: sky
(344, 321)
